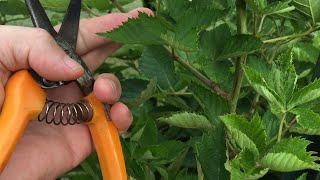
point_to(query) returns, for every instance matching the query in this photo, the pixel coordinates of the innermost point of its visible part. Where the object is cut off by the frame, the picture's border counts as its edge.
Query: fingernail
(72, 64)
(113, 86)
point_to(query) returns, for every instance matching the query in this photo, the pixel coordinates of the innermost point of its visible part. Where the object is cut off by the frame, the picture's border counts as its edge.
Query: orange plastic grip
(107, 143)
(24, 100)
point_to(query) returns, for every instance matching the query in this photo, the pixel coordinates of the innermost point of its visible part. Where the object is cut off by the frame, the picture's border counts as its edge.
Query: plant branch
(292, 36)
(88, 10)
(159, 95)
(200, 76)
(158, 7)
(237, 84)
(291, 123)
(261, 23)
(2, 19)
(254, 104)
(118, 6)
(282, 121)
(254, 24)
(242, 29)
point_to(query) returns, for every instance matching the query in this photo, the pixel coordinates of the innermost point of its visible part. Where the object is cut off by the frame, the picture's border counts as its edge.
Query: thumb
(24, 48)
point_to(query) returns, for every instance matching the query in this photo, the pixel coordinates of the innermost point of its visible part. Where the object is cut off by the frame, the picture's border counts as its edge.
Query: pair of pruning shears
(26, 100)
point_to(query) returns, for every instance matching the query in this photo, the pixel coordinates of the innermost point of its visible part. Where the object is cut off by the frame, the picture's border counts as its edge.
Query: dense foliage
(219, 89)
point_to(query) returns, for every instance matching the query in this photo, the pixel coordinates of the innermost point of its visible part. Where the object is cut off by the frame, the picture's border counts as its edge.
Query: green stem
(242, 29)
(118, 6)
(200, 76)
(158, 7)
(159, 95)
(292, 122)
(254, 104)
(282, 121)
(292, 36)
(261, 23)
(254, 24)
(88, 10)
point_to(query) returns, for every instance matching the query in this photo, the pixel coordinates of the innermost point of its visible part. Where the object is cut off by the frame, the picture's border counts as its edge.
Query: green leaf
(216, 4)
(103, 5)
(214, 41)
(316, 39)
(285, 162)
(132, 166)
(253, 138)
(129, 52)
(305, 52)
(303, 176)
(243, 167)
(211, 154)
(175, 8)
(162, 153)
(218, 71)
(183, 175)
(13, 7)
(157, 62)
(301, 130)
(147, 134)
(256, 5)
(289, 155)
(163, 172)
(259, 84)
(185, 32)
(149, 173)
(55, 4)
(212, 104)
(239, 45)
(178, 163)
(91, 169)
(187, 43)
(144, 29)
(306, 94)
(197, 18)
(308, 8)
(277, 7)
(260, 65)
(132, 89)
(307, 119)
(178, 102)
(188, 120)
(146, 94)
(283, 77)
(271, 124)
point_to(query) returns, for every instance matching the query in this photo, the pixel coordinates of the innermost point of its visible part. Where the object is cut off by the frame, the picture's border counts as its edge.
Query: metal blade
(39, 16)
(70, 24)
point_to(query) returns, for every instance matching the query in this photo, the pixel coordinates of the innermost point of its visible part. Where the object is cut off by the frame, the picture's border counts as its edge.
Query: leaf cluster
(218, 89)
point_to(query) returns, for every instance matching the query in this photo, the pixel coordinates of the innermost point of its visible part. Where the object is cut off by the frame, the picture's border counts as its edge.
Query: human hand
(47, 151)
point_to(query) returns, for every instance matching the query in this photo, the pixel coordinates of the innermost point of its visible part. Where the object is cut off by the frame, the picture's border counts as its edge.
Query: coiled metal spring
(66, 113)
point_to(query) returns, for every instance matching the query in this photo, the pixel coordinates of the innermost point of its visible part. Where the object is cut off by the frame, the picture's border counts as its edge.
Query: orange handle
(24, 100)
(107, 143)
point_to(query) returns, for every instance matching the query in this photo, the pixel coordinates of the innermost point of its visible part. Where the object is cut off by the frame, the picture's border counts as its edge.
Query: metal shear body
(25, 98)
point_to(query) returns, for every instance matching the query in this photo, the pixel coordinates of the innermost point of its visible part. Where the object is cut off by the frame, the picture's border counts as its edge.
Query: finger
(87, 38)
(121, 116)
(24, 48)
(107, 88)
(1, 95)
(99, 55)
